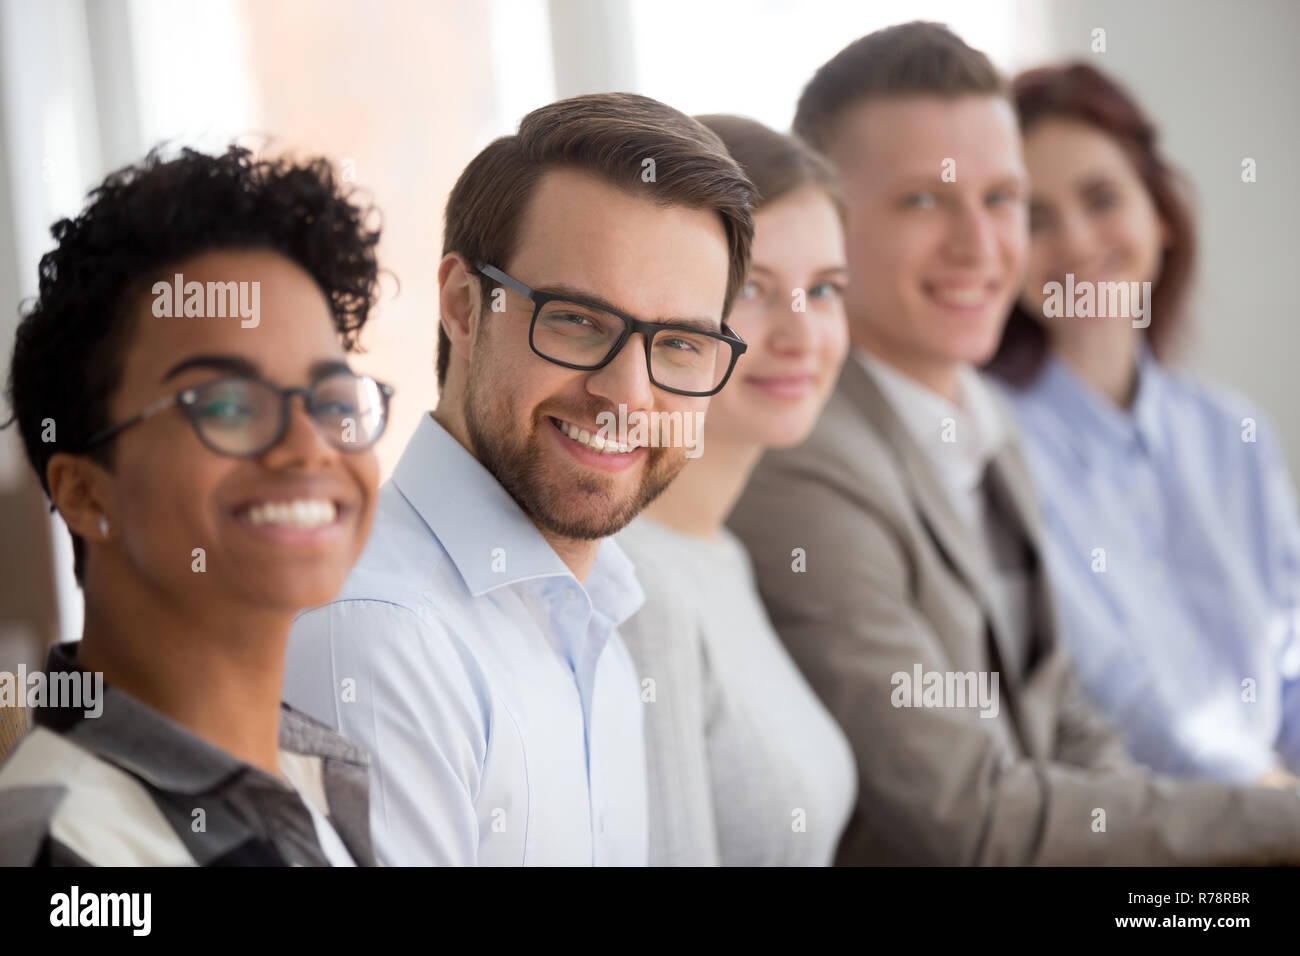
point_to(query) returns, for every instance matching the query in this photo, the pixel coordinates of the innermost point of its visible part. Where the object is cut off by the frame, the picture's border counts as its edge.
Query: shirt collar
(1100, 421)
(160, 751)
(612, 584)
(471, 515)
(979, 431)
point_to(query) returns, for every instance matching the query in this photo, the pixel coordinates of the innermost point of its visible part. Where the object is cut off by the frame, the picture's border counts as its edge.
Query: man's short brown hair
(613, 136)
(909, 59)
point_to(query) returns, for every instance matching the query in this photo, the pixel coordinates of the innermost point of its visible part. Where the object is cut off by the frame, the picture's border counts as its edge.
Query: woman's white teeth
(594, 442)
(294, 514)
(961, 297)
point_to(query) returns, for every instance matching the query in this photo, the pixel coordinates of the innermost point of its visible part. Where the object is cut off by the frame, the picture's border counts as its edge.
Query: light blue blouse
(1174, 550)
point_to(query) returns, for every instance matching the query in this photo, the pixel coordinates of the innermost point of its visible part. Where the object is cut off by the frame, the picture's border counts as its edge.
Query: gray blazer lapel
(954, 540)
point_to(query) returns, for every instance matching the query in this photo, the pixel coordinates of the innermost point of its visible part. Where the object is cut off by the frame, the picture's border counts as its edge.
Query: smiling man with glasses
(475, 650)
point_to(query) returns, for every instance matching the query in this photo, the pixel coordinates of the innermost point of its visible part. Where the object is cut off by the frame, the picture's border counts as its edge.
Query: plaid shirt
(131, 787)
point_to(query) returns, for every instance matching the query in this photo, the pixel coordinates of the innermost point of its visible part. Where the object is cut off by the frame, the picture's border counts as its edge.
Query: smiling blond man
(898, 550)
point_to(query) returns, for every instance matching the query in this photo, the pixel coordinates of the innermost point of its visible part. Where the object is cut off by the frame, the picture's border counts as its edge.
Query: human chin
(305, 569)
(591, 506)
(562, 495)
(289, 542)
(1118, 265)
(560, 486)
(292, 588)
(964, 324)
(770, 425)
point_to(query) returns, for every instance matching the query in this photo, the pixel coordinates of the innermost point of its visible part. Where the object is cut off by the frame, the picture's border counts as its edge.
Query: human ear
(459, 302)
(81, 490)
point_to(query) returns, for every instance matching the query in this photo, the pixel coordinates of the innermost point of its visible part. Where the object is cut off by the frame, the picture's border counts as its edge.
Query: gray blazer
(894, 579)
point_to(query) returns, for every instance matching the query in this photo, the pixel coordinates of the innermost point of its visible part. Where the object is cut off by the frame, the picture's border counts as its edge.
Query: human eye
(1100, 200)
(749, 290)
(574, 320)
(341, 395)
(336, 406)
(919, 199)
(678, 343)
(826, 290)
(681, 342)
(1040, 217)
(1003, 197)
(226, 404)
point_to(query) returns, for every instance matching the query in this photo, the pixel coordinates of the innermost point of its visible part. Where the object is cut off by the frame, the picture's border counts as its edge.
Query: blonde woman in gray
(746, 767)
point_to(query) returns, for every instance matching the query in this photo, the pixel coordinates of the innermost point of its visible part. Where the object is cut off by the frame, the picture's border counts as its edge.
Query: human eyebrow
(1094, 184)
(1012, 184)
(326, 368)
(700, 325)
(917, 181)
(583, 297)
(580, 296)
(219, 363)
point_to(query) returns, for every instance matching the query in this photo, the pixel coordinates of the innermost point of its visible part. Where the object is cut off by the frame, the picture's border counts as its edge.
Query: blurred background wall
(401, 93)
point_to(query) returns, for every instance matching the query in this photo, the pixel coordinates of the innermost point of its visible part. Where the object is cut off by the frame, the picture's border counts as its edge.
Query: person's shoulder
(61, 802)
(650, 545)
(1033, 413)
(381, 628)
(662, 566)
(402, 558)
(1219, 409)
(43, 756)
(35, 779)
(382, 633)
(404, 577)
(356, 662)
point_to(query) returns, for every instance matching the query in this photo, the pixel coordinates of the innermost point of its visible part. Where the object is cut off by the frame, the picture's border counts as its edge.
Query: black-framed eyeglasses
(587, 336)
(245, 417)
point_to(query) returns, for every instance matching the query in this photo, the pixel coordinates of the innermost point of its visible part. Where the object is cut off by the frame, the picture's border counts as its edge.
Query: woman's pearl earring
(103, 525)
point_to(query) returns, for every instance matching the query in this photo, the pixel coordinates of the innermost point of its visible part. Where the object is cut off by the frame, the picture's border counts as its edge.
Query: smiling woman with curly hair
(217, 476)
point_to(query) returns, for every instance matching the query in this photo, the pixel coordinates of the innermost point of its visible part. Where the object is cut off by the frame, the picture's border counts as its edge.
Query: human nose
(790, 329)
(972, 237)
(1074, 239)
(626, 379)
(302, 445)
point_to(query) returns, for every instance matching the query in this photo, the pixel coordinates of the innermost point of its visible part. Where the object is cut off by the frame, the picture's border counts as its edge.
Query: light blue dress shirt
(498, 702)
(1174, 551)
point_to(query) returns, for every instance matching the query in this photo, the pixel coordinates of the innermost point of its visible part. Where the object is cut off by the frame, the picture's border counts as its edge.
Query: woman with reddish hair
(1173, 541)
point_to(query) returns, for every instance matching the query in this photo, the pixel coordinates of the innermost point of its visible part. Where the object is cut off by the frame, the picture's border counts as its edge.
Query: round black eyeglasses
(245, 417)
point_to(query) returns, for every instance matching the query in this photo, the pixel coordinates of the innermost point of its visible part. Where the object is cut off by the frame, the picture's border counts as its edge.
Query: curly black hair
(72, 339)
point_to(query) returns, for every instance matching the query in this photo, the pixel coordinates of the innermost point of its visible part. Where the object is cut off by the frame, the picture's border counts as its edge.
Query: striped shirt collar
(166, 755)
(119, 784)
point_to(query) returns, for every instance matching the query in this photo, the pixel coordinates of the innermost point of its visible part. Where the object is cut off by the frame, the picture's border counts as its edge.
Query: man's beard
(580, 508)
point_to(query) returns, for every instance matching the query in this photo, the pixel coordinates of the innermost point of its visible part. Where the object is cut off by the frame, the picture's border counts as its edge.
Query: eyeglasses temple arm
(492, 272)
(161, 405)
